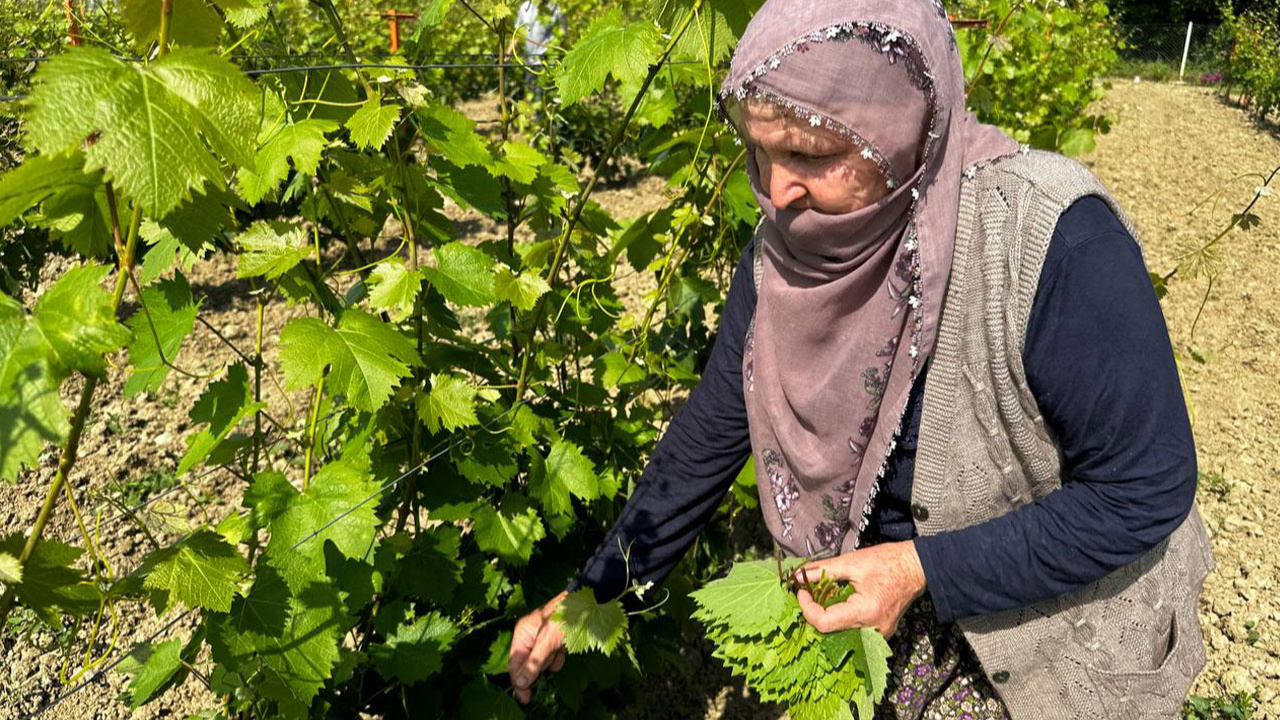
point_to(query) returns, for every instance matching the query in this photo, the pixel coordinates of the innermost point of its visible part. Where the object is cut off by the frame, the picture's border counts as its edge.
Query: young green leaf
(200, 571)
(155, 668)
(415, 652)
(292, 663)
(50, 582)
(608, 47)
(590, 625)
(393, 288)
(302, 142)
(223, 406)
(192, 22)
(170, 315)
(74, 323)
(615, 370)
(519, 161)
(509, 533)
(10, 569)
(338, 506)
(367, 357)
(463, 274)
(270, 251)
(149, 119)
(452, 135)
(39, 177)
(371, 125)
(522, 290)
(565, 474)
(450, 404)
(750, 599)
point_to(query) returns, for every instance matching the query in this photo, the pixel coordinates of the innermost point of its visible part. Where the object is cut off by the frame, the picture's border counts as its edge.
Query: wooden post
(393, 18)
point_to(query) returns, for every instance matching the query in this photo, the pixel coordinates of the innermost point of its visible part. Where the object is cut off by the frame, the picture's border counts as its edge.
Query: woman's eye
(811, 158)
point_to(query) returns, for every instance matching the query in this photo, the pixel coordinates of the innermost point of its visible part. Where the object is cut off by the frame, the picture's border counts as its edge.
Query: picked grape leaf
(591, 625)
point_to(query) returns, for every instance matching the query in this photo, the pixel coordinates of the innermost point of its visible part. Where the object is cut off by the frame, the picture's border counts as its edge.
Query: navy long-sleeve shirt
(1101, 368)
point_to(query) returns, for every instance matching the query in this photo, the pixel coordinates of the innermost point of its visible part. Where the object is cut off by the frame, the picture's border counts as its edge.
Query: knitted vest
(1126, 646)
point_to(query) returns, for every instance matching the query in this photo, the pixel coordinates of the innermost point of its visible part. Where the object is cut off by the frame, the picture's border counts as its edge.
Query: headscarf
(849, 304)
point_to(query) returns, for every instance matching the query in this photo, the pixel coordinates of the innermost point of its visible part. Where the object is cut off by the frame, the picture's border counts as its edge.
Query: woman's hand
(537, 643)
(886, 579)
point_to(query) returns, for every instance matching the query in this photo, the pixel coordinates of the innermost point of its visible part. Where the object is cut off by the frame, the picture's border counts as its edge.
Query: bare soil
(1170, 148)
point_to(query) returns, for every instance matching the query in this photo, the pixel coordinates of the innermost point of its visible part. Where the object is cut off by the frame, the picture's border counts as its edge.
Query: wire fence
(1156, 51)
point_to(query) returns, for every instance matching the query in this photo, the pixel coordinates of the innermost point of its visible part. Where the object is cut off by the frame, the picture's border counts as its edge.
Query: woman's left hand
(886, 579)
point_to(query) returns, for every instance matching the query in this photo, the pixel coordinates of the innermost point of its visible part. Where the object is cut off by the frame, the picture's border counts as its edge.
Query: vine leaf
(170, 315)
(192, 23)
(339, 506)
(566, 473)
(38, 178)
(295, 660)
(201, 571)
(302, 142)
(394, 288)
(78, 216)
(616, 370)
(155, 668)
(270, 250)
(589, 625)
(149, 119)
(522, 290)
(415, 652)
(10, 569)
(450, 404)
(165, 252)
(223, 406)
(75, 324)
(71, 327)
(371, 125)
(482, 701)
(511, 532)
(750, 600)
(463, 274)
(49, 582)
(453, 136)
(609, 47)
(367, 357)
(519, 162)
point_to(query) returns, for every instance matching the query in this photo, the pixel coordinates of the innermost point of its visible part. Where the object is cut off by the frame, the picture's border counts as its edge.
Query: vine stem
(977, 73)
(311, 433)
(70, 451)
(674, 262)
(67, 461)
(557, 261)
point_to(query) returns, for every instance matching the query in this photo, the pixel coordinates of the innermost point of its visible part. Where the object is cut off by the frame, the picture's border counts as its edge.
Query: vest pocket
(1141, 694)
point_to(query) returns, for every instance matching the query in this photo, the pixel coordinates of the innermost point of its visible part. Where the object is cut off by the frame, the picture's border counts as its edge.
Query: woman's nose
(785, 187)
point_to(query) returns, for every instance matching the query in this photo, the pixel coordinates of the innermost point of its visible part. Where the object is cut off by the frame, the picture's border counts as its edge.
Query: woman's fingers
(522, 641)
(548, 643)
(838, 568)
(842, 616)
(558, 662)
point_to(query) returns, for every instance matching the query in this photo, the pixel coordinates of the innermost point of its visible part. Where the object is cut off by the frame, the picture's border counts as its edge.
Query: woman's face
(807, 167)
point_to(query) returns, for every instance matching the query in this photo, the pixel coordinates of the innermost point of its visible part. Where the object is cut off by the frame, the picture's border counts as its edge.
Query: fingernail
(522, 681)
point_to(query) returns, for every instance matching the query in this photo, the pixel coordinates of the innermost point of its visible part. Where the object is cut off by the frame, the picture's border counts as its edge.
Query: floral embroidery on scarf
(749, 366)
(783, 486)
(835, 519)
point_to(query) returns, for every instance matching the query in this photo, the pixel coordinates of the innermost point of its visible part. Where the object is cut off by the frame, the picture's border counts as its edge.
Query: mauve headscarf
(849, 304)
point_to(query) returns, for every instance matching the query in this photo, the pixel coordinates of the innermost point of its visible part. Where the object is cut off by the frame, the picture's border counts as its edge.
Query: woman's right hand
(538, 642)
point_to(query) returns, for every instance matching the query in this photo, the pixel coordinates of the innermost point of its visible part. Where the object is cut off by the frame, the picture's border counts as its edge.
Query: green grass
(1241, 706)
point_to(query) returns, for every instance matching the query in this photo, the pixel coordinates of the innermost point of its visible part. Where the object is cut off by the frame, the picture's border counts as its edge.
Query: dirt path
(1170, 148)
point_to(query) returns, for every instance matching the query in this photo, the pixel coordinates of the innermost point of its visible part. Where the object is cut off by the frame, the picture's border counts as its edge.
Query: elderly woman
(948, 361)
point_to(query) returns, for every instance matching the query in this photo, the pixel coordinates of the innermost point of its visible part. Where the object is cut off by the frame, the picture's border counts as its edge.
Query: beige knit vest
(1126, 646)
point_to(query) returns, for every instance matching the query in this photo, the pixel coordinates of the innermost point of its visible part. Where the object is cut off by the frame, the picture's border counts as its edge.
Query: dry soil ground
(1170, 148)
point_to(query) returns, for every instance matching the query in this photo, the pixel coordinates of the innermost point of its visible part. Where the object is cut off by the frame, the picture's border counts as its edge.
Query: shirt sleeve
(1100, 365)
(696, 460)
